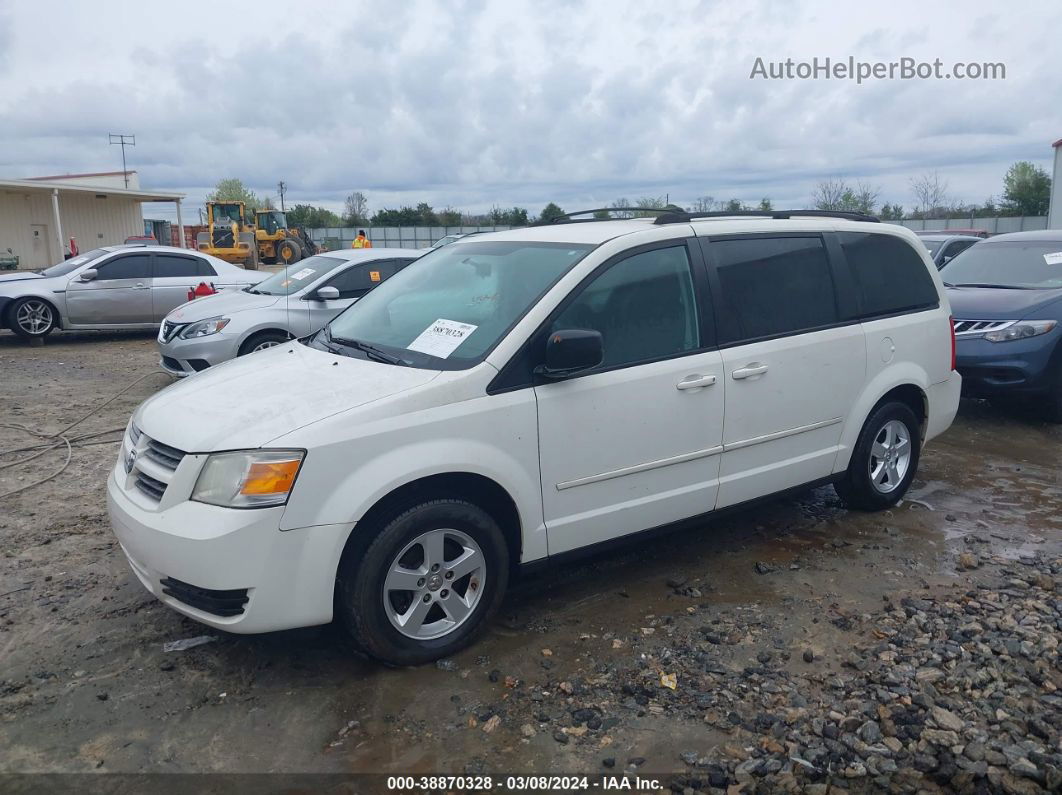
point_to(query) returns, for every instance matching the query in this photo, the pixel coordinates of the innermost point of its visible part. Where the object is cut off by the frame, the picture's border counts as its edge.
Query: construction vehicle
(279, 243)
(229, 235)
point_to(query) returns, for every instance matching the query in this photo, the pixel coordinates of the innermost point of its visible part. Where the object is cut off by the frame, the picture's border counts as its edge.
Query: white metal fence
(994, 226)
(393, 236)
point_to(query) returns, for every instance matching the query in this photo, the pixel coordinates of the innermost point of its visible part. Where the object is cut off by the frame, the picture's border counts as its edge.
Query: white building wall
(27, 224)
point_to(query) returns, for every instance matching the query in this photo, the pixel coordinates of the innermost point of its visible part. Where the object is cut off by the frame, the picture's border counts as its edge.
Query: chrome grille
(972, 327)
(171, 330)
(163, 454)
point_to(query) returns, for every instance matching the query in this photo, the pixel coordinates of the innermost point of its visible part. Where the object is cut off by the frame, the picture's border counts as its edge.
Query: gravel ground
(791, 647)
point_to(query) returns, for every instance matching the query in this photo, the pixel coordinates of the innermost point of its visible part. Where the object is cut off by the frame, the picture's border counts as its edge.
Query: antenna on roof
(123, 141)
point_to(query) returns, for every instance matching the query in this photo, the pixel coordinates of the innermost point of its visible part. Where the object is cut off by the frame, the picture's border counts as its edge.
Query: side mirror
(570, 351)
(326, 293)
(89, 274)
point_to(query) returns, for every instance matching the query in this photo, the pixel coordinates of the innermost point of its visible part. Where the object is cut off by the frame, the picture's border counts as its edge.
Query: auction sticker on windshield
(303, 274)
(441, 338)
(1054, 258)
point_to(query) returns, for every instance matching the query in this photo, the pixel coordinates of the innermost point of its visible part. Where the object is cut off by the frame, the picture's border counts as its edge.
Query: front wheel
(263, 340)
(427, 583)
(884, 460)
(32, 318)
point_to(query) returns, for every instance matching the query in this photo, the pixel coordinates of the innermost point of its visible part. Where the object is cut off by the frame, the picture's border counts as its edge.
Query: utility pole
(281, 188)
(123, 141)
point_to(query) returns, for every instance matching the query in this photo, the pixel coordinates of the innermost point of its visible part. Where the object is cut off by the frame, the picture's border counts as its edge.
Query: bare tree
(931, 193)
(622, 203)
(829, 194)
(706, 204)
(356, 208)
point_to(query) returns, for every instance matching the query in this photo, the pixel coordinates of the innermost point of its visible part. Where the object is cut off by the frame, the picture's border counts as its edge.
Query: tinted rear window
(889, 274)
(774, 285)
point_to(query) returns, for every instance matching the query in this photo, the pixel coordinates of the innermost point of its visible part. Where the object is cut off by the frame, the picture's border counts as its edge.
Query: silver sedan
(291, 303)
(115, 287)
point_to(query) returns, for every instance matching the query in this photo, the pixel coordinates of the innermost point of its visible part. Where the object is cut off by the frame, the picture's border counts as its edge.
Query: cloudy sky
(508, 102)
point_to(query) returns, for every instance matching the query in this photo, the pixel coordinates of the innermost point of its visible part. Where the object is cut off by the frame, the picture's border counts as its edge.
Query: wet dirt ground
(86, 686)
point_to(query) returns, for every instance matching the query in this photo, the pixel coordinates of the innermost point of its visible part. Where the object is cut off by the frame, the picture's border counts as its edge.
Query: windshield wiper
(369, 350)
(992, 286)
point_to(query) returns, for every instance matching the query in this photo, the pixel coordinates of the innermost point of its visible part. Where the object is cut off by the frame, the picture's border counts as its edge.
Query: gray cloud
(523, 102)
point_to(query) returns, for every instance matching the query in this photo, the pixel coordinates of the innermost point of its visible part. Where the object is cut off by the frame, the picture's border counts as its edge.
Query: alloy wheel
(434, 584)
(890, 456)
(34, 317)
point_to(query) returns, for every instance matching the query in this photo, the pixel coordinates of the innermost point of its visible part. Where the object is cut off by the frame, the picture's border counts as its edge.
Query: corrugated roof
(79, 176)
(36, 186)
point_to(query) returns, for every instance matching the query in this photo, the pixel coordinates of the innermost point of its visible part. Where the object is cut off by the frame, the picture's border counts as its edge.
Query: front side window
(131, 266)
(355, 281)
(773, 286)
(889, 274)
(451, 306)
(1021, 265)
(298, 276)
(644, 307)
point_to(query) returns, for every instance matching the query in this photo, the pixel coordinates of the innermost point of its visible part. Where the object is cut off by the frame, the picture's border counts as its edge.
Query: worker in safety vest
(361, 241)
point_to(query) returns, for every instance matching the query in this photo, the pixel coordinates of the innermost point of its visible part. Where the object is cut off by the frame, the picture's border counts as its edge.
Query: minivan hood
(986, 303)
(247, 402)
(224, 303)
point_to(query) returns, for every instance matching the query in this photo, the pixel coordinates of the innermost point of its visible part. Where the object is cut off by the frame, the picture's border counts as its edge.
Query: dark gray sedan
(115, 287)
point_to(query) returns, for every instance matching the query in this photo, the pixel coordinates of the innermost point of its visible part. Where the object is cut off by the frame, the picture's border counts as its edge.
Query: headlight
(249, 479)
(1021, 330)
(204, 328)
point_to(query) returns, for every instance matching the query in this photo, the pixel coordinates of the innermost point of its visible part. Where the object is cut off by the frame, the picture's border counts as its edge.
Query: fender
(901, 373)
(495, 437)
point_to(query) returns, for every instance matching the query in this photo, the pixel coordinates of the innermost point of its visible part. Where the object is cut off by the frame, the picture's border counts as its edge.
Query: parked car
(969, 232)
(526, 396)
(295, 302)
(448, 239)
(115, 287)
(1006, 294)
(944, 247)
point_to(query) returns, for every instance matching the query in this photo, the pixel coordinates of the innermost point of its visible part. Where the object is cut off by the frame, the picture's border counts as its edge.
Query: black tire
(288, 252)
(262, 339)
(857, 488)
(39, 318)
(360, 582)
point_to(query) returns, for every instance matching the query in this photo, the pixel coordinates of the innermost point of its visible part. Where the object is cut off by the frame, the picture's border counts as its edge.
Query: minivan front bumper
(230, 569)
(1015, 367)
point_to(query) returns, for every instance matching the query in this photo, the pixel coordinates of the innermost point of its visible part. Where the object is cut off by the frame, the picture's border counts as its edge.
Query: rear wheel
(263, 340)
(32, 318)
(427, 583)
(288, 251)
(884, 460)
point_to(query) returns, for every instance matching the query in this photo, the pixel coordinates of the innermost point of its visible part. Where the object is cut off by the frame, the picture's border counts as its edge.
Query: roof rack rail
(672, 217)
(569, 218)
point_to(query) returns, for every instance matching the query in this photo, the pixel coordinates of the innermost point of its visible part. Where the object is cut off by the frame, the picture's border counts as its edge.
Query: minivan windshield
(1031, 265)
(448, 309)
(295, 277)
(66, 266)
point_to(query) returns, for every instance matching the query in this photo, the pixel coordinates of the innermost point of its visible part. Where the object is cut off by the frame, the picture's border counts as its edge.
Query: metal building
(39, 216)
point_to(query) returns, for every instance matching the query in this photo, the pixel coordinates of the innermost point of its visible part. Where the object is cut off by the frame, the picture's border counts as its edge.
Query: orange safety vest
(361, 242)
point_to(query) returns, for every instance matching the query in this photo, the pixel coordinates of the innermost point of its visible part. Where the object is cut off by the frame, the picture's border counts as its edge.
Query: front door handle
(695, 382)
(140, 286)
(750, 371)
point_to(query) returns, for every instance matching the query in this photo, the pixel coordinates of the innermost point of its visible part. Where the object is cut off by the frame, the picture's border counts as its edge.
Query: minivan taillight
(951, 322)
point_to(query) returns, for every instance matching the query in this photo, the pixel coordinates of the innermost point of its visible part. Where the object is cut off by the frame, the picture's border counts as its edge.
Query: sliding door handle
(750, 371)
(695, 382)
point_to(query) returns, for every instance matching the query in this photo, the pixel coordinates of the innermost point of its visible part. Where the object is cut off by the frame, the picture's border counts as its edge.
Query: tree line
(1026, 190)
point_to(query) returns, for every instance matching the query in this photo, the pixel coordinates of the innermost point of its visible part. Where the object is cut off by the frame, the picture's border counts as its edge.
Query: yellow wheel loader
(279, 244)
(229, 235)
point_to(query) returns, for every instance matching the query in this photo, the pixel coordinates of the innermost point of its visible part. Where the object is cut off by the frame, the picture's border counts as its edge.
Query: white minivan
(525, 395)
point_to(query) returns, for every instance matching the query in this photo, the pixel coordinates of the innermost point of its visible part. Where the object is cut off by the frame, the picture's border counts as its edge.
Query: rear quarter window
(889, 274)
